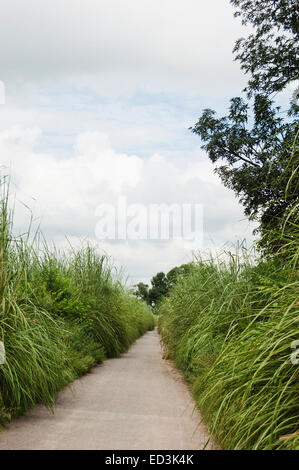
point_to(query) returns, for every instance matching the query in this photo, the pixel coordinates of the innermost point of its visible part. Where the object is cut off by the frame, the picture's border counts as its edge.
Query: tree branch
(240, 157)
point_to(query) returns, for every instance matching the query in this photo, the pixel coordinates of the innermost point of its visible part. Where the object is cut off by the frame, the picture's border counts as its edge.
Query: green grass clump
(229, 326)
(60, 315)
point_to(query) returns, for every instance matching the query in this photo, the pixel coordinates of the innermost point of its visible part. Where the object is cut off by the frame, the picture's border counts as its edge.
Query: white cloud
(114, 46)
(99, 98)
(65, 192)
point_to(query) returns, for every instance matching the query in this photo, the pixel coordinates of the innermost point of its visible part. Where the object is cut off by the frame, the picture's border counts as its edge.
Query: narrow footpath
(137, 401)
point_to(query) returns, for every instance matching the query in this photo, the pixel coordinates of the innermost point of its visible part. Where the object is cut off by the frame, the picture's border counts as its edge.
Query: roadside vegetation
(60, 316)
(230, 325)
(231, 322)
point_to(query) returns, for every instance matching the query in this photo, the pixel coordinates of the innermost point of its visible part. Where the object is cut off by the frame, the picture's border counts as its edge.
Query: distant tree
(142, 291)
(161, 283)
(174, 274)
(159, 288)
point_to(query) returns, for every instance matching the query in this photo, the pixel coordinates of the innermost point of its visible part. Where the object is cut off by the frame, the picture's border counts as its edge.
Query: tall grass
(59, 316)
(229, 326)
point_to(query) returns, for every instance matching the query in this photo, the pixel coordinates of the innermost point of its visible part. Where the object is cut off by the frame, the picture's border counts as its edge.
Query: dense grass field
(229, 325)
(60, 315)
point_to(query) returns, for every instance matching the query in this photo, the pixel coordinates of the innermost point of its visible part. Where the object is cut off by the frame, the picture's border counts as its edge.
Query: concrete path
(138, 401)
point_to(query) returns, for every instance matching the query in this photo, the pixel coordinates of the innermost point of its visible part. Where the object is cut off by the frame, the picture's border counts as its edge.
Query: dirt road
(138, 401)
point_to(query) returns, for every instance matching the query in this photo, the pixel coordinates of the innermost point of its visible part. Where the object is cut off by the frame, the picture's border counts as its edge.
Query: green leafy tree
(142, 291)
(161, 283)
(270, 54)
(255, 145)
(159, 288)
(174, 274)
(259, 159)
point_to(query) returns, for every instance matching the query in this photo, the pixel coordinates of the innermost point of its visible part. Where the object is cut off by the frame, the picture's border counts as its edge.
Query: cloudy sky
(99, 98)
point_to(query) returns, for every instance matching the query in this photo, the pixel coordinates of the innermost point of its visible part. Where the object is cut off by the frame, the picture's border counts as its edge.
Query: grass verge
(60, 315)
(229, 325)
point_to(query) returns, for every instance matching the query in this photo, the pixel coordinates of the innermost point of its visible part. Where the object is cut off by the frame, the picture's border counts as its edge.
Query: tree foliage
(159, 288)
(142, 291)
(259, 158)
(161, 284)
(256, 143)
(270, 55)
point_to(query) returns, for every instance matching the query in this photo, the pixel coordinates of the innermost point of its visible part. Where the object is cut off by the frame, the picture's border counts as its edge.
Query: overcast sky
(99, 98)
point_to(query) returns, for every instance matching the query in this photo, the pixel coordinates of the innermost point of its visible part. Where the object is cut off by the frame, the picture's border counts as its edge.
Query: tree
(258, 152)
(161, 283)
(142, 291)
(159, 288)
(174, 274)
(270, 55)
(259, 158)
